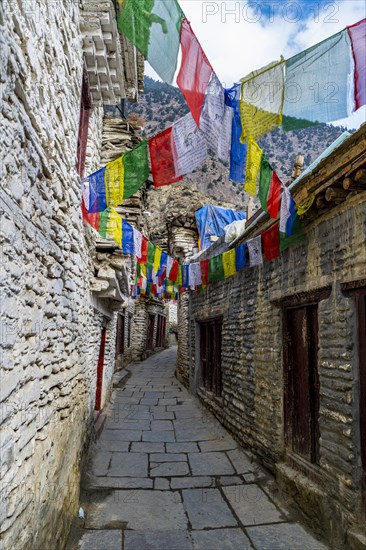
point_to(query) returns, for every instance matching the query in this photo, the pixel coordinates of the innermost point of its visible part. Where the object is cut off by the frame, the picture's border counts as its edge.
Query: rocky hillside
(161, 105)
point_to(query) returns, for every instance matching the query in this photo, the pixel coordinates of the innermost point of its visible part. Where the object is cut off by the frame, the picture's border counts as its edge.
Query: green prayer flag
(264, 181)
(153, 26)
(150, 255)
(298, 236)
(216, 269)
(103, 223)
(136, 169)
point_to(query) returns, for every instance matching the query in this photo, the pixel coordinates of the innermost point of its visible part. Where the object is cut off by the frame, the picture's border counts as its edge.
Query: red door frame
(98, 394)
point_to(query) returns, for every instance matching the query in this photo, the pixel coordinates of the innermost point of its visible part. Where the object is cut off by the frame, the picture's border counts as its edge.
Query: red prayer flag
(162, 160)
(357, 34)
(174, 271)
(205, 266)
(271, 242)
(195, 71)
(274, 196)
(144, 250)
(93, 219)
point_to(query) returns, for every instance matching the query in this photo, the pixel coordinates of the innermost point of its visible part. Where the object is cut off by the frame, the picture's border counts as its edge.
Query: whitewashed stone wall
(50, 332)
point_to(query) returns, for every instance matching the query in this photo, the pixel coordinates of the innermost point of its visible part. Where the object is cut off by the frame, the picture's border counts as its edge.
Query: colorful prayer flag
(195, 71)
(190, 148)
(205, 266)
(255, 251)
(357, 34)
(216, 118)
(150, 255)
(157, 258)
(111, 226)
(269, 188)
(229, 263)
(162, 159)
(240, 256)
(127, 238)
(174, 272)
(154, 28)
(271, 243)
(238, 151)
(288, 212)
(317, 83)
(195, 278)
(142, 259)
(216, 269)
(254, 157)
(261, 101)
(137, 242)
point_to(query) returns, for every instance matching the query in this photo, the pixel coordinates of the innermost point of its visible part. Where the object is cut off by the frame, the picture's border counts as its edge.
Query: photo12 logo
(255, 12)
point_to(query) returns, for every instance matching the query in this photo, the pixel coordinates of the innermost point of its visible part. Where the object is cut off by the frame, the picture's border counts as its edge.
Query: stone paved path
(165, 475)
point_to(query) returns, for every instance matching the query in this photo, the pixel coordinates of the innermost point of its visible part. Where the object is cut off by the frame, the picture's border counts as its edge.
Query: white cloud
(238, 39)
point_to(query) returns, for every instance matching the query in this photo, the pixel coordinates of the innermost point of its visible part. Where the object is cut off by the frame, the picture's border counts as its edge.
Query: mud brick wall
(252, 365)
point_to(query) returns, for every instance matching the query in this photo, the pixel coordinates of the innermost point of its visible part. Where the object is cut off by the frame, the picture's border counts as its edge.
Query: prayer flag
(111, 226)
(317, 83)
(142, 259)
(254, 157)
(255, 251)
(357, 34)
(195, 278)
(137, 243)
(91, 219)
(195, 71)
(157, 258)
(269, 188)
(240, 254)
(216, 269)
(153, 26)
(150, 255)
(162, 159)
(127, 238)
(297, 236)
(261, 101)
(288, 212)
(174, 271)
(229, 263)
(94, 192)
(205, 266)
(190, 148)
(238, 151)
(185, 276)
(216, 118)
(271, 243)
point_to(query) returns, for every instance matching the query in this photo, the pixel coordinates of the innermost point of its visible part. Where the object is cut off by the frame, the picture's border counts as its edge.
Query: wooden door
(210, 356)
(301, 381)
(120, 341)
(150, 333)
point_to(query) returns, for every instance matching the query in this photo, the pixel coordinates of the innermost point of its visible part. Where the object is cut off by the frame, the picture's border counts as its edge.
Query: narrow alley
(165, 474)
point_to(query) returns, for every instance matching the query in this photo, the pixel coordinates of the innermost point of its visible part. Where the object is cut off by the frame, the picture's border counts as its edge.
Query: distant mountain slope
(161, 105)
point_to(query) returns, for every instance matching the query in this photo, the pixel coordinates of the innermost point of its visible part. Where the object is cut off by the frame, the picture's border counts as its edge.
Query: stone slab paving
(165, 475)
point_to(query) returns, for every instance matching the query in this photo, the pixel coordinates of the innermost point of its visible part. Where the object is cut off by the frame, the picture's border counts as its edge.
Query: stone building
(277, 352)
(64, 292)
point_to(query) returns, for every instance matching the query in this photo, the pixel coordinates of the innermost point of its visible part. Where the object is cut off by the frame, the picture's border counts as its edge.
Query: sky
(241, 36)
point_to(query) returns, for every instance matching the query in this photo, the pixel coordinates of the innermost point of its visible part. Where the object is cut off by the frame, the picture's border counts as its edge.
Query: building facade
(277, 352)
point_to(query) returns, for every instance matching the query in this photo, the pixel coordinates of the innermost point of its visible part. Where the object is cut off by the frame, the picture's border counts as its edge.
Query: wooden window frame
(309, 300)
(210, 333)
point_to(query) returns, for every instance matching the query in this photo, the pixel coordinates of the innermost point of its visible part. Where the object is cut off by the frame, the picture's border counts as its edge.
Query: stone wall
(252, 370)
(50, 327)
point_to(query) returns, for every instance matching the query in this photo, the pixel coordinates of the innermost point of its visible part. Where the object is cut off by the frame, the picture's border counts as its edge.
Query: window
(301, 381)
(210, 356)
(85, 106)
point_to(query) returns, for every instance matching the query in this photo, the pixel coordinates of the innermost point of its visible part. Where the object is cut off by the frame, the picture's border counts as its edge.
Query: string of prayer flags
(229, 263)
(190, 148)
(271, 243)
(261, 101)
(162, 159)
(154, 28)
(255, 251)
(269, 188)
(118, 180)
(357, 34)
(216, 120)
(317, 83)
(195, 71)
(253, 164)
(238, 150)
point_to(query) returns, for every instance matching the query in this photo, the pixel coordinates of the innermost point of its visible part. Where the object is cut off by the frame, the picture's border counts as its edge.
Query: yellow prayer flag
(229, 263)
(157, 258)
(114, 227)
(179, 276)
(254, 157)
(143, 269)
(114, 181)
